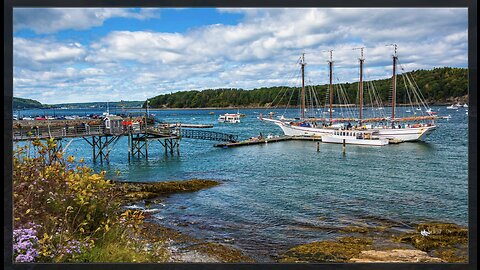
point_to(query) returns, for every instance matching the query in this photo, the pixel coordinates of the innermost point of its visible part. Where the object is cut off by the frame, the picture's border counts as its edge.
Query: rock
(442, 235)
(446, 240)
(340, 250)
(395, 256)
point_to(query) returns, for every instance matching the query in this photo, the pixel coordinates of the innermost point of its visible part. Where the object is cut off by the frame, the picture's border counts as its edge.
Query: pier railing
(44, 132)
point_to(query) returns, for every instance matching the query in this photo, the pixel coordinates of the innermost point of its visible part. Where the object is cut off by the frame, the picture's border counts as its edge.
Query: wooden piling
(318, 147)
(93, 148)
(129, 137)
(344, 147)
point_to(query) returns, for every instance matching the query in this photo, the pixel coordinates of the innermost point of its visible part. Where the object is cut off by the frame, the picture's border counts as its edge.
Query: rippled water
(277, 195)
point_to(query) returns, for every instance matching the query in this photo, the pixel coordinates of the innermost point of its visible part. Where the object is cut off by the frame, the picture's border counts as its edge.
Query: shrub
(62, 208)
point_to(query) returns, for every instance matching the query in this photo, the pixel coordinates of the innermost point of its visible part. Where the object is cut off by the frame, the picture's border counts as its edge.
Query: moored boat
(229, 118)
(414, 128)
(358, 137)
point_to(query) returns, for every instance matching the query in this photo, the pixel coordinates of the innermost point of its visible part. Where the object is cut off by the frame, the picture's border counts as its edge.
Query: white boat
(414, 128)
(452, 107)
(229, 118)
(410, 133)
(465, 105)
(358, 137)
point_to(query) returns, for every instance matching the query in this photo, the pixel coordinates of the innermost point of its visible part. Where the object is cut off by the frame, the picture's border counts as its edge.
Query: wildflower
(25, 242)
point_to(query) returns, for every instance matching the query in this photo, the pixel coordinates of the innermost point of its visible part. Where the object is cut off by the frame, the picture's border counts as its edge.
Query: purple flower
(24, 244)
(24, 258)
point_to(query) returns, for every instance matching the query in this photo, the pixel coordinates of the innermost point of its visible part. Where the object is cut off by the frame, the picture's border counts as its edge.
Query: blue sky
(80, 55)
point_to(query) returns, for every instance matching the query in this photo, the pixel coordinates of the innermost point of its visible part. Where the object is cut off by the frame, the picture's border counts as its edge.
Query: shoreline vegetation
(439, 86)
(65, 212)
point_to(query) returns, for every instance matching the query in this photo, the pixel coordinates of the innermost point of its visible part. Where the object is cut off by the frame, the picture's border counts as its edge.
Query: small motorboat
(229, 118)
(359, 137)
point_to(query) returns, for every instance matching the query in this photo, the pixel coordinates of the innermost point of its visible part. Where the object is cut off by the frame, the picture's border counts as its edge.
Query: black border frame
(472, 124)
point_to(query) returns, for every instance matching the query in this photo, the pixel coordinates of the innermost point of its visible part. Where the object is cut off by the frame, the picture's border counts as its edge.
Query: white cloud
(44, 54)
(51, 20)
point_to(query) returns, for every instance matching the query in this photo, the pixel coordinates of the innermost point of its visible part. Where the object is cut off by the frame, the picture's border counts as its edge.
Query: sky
(67, 55)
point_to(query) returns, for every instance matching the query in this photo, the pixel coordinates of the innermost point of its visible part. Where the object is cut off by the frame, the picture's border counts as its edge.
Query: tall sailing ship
(406, 128)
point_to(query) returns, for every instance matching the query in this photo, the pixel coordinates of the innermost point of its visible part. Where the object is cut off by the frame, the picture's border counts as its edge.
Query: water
(277, 195)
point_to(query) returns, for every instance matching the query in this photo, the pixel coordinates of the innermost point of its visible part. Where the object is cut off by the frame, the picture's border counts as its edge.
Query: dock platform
(266, 140)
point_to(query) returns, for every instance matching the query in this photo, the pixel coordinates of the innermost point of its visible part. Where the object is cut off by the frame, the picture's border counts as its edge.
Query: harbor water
(274, 196)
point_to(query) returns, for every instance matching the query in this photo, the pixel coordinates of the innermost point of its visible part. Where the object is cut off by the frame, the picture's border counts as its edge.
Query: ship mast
(302, 62)
(361, 59)
(394, 80)
(330, 64)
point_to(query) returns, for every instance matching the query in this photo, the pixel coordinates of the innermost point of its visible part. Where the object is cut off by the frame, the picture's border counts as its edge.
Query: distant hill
(115, 104)
(438, 86)
(23, 103)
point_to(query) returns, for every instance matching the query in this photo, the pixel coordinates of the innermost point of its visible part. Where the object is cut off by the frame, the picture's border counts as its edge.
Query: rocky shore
(180, 247)
(434, 242)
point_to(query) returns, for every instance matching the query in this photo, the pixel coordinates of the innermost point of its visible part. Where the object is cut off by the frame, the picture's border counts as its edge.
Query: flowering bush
(61, 207)
(25, 244)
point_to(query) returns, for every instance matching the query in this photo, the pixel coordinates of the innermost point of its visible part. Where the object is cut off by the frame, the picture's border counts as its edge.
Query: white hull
(350, 140)
(406, 134)
(409, 134)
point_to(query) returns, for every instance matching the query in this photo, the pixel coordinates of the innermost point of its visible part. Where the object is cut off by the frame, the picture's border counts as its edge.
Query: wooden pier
(102, 136)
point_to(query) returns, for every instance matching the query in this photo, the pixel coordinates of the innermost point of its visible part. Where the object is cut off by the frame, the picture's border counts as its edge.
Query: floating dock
(266, 140)
(280, 139)
(191, 125)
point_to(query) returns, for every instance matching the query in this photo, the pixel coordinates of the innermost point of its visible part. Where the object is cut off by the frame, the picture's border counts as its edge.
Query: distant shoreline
(438, 103)
(282, 107)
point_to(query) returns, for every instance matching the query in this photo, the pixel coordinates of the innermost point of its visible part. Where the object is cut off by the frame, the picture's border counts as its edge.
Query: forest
(438, 86)
(23, 103)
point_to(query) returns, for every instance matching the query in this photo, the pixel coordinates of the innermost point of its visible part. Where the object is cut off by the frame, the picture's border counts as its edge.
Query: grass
(116, 246)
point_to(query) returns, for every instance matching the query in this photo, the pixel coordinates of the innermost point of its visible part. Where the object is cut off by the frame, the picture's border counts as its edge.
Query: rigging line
(416, 88)
(377, 98)
(312, 99)
(316, 99)
(278, 104)
(372, 102)
(290, 99)
(343, 98)
(417, 97)
(283, 87)
(290, 76)
(408, 93)
(288, 103)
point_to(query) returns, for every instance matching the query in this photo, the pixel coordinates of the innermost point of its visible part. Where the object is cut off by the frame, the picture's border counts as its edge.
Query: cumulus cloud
(51, 20)
(261, 50)
(41, 53)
